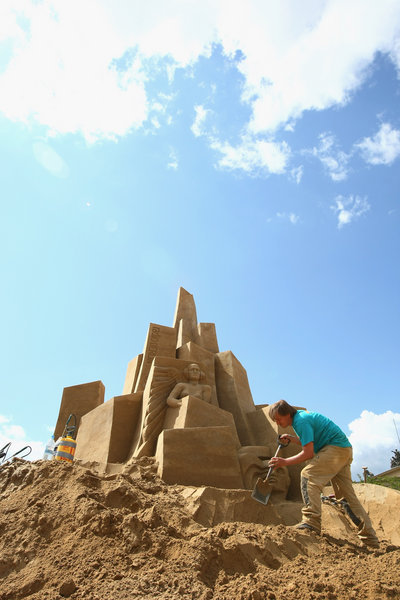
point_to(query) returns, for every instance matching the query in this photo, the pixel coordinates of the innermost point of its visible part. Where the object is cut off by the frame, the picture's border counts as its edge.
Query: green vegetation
(395, 460)
(392, 482)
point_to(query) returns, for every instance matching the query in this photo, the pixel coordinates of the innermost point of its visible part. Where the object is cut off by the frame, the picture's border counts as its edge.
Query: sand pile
(67, 532)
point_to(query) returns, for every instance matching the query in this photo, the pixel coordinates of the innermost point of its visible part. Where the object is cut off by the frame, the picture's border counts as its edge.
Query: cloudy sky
(247, 151)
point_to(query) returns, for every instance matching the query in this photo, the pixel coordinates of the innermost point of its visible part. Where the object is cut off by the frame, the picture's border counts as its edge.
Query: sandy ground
(67, 532)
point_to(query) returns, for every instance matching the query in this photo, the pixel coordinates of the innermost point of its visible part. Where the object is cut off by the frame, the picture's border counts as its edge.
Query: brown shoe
(306, 527)
(371, 543)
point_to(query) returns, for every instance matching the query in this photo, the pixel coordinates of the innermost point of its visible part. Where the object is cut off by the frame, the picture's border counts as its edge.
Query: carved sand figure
(192, 387)
(254, 464)
(166, 390)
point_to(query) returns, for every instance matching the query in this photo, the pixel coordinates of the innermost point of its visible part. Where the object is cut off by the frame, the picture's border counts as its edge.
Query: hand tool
(4, 450)
(263, 488)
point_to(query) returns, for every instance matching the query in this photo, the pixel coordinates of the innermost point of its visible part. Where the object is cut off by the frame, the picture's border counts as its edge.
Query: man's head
(282, 413)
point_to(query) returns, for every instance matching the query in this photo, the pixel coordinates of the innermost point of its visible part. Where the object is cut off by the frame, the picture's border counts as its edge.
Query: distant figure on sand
(330, 454)
(192, 387)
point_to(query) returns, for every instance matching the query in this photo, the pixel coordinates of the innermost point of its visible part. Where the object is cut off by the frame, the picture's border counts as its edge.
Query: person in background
(330, 454)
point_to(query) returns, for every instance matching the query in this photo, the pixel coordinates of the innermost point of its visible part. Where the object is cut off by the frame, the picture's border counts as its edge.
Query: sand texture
(69, 532)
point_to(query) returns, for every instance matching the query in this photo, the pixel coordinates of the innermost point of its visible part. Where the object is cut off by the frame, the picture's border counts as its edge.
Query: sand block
(264, 430)
(78, 400)
(197, 413)
(210, 506)
(196, 354)
(199, 456)
(185, 319)
(105, 433)
(185, 333)
(132, 374)
(160, 341)
(234, 393)
(208, 337)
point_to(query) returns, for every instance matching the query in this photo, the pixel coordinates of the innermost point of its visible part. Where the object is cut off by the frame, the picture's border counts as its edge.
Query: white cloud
(14, 431)
(253, 155)
(297, 56)
(297, 174)
(289, 126)
(157, 115)
(173, 160)
(333, 159)
(155, 122)
(395, 53)
(349, 208)
(373, 437)
(74, 87)
(291, 217)
(9, 27)
(198, 127)
(15, 434)
(310, 56)
(383, 148)
(180, 29)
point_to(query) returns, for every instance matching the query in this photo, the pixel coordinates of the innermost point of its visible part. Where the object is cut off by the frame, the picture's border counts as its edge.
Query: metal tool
(263, 488)
(343, 506)
(4, 450)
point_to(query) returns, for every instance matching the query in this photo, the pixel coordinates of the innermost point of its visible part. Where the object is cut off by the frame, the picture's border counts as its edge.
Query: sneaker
(367, 537)
(306, 527)
(371, 543)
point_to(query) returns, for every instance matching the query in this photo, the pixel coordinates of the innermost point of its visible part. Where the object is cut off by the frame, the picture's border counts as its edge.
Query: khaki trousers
(332, 463)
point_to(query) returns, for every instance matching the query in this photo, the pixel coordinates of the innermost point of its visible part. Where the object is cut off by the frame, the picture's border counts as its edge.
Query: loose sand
(67, 532)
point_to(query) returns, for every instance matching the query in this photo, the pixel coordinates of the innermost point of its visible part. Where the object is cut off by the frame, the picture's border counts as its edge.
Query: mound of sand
(69, 532)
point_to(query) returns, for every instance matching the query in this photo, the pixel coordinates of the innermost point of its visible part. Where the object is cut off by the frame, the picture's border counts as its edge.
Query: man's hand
(277, 461)
(287, 437)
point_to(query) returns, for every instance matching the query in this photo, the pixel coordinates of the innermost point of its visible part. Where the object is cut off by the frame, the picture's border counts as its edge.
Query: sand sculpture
(185, 403)
(107, 526)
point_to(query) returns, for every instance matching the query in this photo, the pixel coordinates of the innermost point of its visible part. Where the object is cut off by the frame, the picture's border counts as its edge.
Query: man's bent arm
(306, 453)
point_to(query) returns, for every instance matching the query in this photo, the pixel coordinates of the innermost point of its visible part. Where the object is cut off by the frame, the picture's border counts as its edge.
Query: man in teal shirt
(330, 454)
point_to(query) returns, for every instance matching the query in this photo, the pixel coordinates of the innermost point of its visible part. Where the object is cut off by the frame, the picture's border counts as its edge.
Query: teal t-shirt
(314, 427)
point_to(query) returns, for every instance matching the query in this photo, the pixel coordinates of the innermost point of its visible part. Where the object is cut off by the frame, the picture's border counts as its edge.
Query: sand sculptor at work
(192, 387)
(330, 454)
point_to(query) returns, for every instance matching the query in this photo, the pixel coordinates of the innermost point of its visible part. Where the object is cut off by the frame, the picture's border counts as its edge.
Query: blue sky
(247, 151)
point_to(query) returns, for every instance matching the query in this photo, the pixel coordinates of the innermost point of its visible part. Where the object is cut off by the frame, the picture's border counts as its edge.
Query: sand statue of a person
(191, 387)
